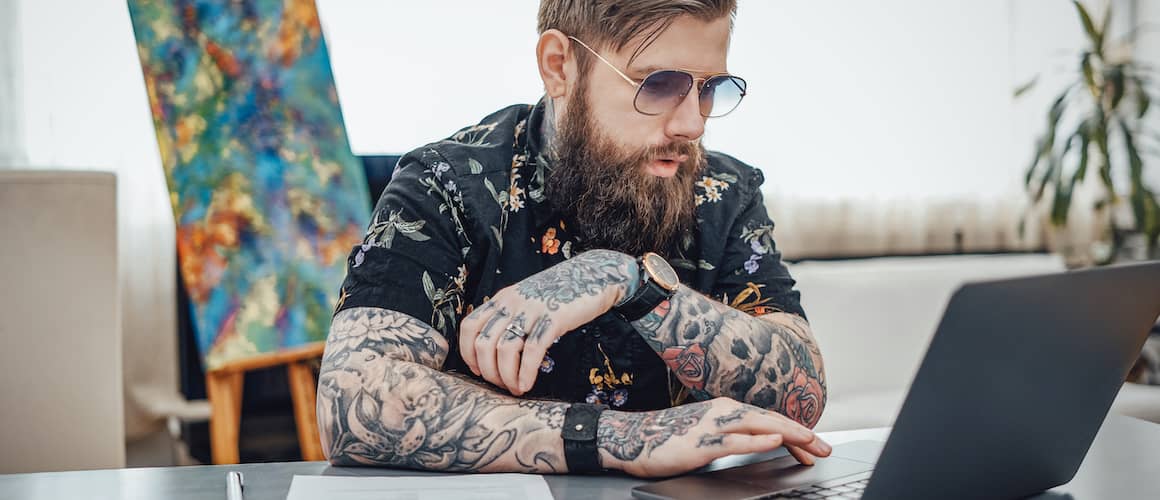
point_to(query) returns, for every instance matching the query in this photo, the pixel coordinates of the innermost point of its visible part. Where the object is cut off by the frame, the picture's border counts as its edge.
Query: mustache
(687, 149)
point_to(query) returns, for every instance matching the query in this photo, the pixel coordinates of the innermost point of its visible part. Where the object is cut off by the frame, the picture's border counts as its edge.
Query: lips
(673, 158)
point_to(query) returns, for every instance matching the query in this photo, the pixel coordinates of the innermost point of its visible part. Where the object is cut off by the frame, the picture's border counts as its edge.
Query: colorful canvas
(268, 198)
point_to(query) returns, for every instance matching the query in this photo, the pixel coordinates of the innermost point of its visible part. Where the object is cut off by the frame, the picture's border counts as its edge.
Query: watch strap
(579, 433)
(647, 297)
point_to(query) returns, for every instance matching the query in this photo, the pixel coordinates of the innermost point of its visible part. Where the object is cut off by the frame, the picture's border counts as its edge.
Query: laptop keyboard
(849, 490)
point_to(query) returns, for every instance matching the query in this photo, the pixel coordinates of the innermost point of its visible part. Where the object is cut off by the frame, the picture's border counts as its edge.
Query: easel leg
(225, 399)
(302, 390)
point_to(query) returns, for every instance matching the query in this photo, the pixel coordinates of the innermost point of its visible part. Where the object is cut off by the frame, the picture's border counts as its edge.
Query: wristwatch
(580, 452)
(658, 283)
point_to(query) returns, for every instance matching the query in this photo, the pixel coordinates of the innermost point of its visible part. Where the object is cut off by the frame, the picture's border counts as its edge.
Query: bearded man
(577, 285)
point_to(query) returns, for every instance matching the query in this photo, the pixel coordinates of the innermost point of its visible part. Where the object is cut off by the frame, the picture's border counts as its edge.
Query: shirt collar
(539, 132)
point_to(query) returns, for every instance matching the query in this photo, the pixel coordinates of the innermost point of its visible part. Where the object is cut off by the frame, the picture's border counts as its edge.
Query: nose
(685, 122)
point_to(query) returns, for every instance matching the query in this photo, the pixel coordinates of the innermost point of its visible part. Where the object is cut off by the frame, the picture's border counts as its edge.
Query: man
(533, 293)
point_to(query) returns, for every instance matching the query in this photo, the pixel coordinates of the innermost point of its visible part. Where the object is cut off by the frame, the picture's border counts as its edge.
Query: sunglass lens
(721, 95)
(662, 91)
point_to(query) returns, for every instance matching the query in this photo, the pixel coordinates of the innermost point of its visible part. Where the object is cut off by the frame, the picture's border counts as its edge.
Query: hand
(677, 440)
(507, 337)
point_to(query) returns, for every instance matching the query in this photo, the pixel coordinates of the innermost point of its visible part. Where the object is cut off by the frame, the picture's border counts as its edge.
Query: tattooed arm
(771, 361)
(382, 402)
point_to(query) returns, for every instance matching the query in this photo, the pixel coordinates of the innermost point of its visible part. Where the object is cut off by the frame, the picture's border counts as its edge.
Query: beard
(605, 192)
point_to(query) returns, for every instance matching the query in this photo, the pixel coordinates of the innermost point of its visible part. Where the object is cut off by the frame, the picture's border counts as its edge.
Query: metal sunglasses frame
(693, 81)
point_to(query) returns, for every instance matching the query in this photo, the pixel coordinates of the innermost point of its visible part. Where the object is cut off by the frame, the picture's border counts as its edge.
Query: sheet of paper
(486, 486)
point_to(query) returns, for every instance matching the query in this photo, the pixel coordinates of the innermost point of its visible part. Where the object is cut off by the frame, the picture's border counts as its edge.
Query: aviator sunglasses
(663, 90)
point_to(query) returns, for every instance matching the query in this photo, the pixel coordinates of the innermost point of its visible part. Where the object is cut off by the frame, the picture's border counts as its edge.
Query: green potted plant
(1111, 97)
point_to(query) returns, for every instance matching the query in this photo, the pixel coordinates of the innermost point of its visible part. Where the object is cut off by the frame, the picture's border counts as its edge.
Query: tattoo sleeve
(383, 401)
(588, 274)
(626, 436)
(772, 362)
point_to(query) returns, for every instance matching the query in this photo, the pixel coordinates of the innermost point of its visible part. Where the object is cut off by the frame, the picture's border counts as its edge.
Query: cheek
(631, 132)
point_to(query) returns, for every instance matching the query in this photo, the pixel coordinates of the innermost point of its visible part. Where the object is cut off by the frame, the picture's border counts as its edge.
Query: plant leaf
(1047, 144)
(1151, 217)
(1100, 136)
(1114, 82)
(1085, 140)
(1143, 100)
(1089, 74)
(1135, 163)
(1034, 162)
(1048, 175)
(1104, 23)
(1139, 194)
(1026, 87)
(1060, 206)
(1089, 27)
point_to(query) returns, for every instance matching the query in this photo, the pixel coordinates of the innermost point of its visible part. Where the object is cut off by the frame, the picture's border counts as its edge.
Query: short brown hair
(611, 24)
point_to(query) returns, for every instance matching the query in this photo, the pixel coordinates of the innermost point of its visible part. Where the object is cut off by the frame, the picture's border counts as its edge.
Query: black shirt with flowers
(465, 217)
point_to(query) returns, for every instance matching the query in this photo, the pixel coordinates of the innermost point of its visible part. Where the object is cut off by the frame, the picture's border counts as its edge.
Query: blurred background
(894, 145)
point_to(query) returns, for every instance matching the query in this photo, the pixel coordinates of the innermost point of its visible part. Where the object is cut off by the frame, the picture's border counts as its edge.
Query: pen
(234, 485)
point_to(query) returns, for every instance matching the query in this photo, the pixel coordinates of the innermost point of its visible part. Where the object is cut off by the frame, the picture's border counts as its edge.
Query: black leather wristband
(580, 452)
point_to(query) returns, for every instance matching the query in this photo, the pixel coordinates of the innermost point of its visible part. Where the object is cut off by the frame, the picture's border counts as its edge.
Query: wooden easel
(224, 388)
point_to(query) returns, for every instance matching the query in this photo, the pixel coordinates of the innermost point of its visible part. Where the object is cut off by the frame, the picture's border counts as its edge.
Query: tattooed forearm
(772, 362)
(587, 274)
(627, 435)
(382, 401)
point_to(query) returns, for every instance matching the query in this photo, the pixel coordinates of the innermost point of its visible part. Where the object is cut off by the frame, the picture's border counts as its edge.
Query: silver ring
(516, 331)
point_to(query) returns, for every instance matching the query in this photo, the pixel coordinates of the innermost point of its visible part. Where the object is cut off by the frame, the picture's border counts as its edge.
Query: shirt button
(579, 427)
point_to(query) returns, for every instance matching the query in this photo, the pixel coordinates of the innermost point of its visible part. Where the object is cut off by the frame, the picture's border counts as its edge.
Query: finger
(721, 445)
(536, 345)
(817, 447)
(485, 346)
(508, 350)
(752, 420)
(801, 455)
(469, 329)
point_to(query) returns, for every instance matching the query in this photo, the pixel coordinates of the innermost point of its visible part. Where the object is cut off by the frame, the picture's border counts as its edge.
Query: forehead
(688, 43)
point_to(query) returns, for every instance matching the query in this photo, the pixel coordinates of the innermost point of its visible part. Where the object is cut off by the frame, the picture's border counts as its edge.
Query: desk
(1122, 464)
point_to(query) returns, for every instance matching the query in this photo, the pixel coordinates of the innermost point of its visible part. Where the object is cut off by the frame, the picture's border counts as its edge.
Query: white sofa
(875, 317)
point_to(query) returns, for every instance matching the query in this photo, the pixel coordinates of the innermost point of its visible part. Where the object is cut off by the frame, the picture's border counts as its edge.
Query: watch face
(660, 271)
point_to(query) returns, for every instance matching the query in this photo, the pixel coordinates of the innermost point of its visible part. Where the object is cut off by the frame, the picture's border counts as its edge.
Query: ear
(557, 66)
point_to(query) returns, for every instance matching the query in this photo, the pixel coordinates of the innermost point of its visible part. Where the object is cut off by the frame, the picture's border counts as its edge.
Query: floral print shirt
(464, 217)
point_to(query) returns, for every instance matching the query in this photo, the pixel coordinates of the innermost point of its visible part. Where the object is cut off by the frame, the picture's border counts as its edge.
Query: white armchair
(60, 369)
(874, 318)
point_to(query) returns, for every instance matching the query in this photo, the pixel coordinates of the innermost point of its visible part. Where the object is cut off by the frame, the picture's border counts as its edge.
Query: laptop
(1010, 394)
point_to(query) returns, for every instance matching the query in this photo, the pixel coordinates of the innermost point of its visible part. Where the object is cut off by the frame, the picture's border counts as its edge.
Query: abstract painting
(268, 198)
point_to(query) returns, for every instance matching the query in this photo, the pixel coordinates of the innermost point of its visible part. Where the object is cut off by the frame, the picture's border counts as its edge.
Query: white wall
(409, 73)
(85, 107)
(884, 99)
(11, 84)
